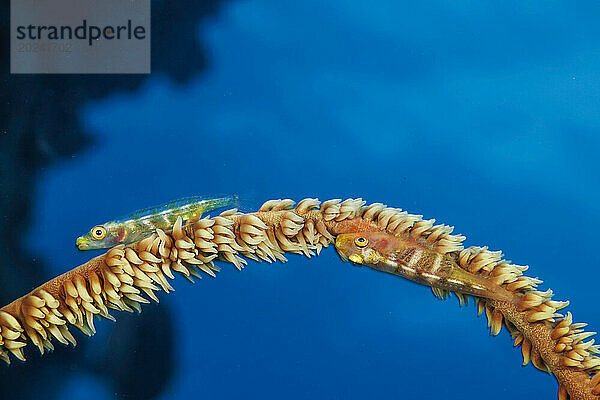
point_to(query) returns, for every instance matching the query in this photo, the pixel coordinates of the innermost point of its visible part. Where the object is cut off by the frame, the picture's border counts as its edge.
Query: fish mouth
(356, 259)
(81, 243)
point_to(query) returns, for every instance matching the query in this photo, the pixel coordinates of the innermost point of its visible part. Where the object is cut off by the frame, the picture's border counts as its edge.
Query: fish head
(102, 237)
(363, 248)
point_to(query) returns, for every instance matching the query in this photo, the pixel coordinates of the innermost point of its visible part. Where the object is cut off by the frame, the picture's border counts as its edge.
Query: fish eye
(98, 232)
(361, 241)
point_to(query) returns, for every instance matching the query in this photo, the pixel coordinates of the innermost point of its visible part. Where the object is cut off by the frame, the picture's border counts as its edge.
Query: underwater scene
(484, 116)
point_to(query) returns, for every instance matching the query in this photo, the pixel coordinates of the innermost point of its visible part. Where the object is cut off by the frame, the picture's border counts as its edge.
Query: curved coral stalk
(119, 278)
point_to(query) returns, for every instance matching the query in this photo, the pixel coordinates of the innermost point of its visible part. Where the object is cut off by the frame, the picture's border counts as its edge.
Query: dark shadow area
(39, 127)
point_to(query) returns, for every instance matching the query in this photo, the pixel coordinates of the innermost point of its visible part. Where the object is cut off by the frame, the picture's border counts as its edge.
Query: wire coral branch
(119, 278)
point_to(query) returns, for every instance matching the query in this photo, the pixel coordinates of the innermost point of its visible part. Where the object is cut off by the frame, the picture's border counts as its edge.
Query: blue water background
(482, 115)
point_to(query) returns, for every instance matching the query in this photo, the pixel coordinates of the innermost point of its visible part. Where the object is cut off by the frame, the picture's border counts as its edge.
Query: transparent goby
(141, 223)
